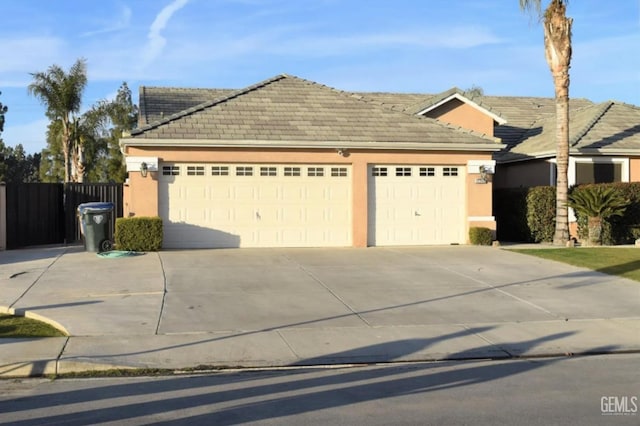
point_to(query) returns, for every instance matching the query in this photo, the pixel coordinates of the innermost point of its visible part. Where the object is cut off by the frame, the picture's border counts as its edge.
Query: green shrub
(480, 236)
(623, 229)
(541, 212)
(139, 233)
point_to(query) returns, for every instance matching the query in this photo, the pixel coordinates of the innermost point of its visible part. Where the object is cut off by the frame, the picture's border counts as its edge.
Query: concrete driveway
(233, 290)
(288, 306)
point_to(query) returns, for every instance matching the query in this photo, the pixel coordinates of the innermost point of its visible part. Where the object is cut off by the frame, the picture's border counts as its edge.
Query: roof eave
(216, 143)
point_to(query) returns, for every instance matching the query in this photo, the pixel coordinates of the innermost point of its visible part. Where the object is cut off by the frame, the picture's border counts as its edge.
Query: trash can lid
(96, 207)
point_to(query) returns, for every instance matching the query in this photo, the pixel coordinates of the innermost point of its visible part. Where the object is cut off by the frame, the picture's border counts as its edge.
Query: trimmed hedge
(480, 236)
(528, 215)
(525, 214)
(139, 233)
(541, 213)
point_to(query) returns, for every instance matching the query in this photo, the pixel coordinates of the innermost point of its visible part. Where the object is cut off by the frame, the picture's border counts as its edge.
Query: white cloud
(452, 38)
(118, 23)
(156, 42)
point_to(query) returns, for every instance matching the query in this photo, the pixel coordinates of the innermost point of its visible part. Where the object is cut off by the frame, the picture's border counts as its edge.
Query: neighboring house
(289, 162)
(604, 144)
(604, 137)
(292, 163)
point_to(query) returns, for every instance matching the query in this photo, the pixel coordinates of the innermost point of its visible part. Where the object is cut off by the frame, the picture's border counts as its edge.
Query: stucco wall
(141, 197)
(634, 169)
(463, 115)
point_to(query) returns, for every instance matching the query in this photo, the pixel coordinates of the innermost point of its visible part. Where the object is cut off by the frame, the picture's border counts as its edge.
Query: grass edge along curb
(45, 328)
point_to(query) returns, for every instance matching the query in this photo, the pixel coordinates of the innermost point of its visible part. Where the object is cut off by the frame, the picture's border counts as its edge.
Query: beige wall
(463, 115)
(141, 196)
(634, 170)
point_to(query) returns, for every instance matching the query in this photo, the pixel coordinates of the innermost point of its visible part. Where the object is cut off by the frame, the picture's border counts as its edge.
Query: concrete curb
(318, 347)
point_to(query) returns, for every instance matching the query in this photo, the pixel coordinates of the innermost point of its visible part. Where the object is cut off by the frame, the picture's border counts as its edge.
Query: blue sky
(359, 45)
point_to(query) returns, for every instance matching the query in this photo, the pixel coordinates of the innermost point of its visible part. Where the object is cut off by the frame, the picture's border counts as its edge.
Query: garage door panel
(270, 210)
(416, 205)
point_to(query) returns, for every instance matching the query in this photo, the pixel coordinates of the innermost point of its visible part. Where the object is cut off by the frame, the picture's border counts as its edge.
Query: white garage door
(416, 205)
(255, 205)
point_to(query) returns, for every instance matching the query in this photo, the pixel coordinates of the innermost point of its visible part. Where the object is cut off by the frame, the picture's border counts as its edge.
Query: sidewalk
(34, 357)
(114, 315)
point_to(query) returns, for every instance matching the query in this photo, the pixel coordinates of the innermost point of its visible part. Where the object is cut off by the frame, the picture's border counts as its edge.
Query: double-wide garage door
(275, 205)
(255, 205)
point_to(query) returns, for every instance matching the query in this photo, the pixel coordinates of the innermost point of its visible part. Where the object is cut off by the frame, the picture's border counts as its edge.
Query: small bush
(139, 233)
(480, 236)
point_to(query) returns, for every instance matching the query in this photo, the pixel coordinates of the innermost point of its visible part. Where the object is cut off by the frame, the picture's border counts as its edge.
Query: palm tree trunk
(561, 235)
(557, 43)
(594, 225)
(66, 139)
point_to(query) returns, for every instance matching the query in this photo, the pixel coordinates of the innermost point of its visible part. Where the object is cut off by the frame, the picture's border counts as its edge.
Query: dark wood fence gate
(45, 213)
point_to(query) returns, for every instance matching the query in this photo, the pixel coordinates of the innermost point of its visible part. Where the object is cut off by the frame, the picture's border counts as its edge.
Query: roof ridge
(208, 104)
(600, 112)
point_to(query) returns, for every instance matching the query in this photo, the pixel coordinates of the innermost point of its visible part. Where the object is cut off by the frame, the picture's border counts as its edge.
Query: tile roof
(286, 108)
(159, 102)
(519, 112)
(290, 108)
(608, 127)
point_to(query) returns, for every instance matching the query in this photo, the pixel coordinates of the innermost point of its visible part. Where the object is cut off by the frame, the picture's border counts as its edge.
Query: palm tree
(557, 46)
(61, 94)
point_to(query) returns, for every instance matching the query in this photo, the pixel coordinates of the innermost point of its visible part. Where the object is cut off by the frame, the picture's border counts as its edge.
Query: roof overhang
(467, 101)
(262, 144)
(574, 152)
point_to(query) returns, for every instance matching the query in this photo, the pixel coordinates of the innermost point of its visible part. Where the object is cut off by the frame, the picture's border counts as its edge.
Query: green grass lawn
(14, 326)
(624, 262)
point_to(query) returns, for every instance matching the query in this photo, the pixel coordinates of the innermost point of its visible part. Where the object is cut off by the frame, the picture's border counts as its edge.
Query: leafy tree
(124, 116)
(52, 162)
(16, 166)
(474, 92)
(3, 111)
(557, 45)
(61, 93)
(95, 135)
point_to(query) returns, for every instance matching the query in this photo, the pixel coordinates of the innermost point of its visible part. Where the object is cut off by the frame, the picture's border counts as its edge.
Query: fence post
(3, 216)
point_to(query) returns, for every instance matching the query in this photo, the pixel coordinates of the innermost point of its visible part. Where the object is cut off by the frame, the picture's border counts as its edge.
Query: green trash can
(95, 221)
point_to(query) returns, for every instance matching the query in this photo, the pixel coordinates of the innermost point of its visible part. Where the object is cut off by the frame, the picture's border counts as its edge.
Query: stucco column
(479, 200)
(142, 195)
(359, 192)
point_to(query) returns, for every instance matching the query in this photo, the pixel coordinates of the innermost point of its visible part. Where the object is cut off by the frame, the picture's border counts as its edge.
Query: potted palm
(597, 203)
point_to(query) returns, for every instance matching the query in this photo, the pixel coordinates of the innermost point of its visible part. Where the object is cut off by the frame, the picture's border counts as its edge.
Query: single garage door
(255, 205)
(416, 205)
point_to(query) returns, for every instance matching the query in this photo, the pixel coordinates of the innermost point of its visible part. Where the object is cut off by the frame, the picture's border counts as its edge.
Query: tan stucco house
(291, 163)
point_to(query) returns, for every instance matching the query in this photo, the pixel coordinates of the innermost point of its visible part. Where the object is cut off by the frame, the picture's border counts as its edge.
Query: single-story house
(604, 137)
(291, 163)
